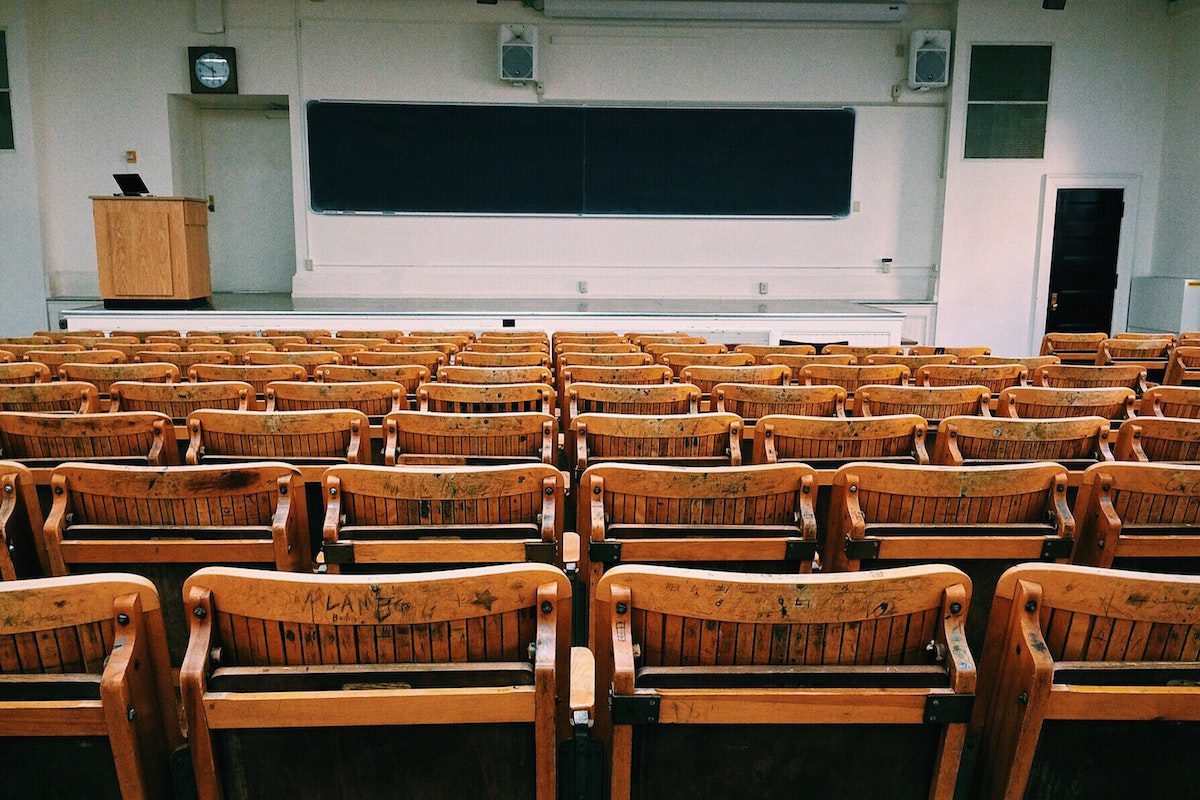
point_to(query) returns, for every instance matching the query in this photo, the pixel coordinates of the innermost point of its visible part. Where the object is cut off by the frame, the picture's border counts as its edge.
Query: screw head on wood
(1031, 606)
(956, 608)
(199, 613)
(122, 619)
(131, 714)
(549, 490)
(622, 608)
(547, 607)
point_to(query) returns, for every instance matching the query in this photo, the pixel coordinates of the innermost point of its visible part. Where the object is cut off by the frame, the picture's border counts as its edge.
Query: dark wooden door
(1083, 260)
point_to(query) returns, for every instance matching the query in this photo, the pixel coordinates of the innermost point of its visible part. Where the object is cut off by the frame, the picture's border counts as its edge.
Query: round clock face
(212, 70)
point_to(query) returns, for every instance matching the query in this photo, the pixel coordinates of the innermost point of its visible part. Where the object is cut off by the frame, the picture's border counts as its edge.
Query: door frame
(1132, 184)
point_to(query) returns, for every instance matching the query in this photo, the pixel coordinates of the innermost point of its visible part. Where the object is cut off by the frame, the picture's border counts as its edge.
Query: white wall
(1107, 106)
(23, 308)
(1178, 244)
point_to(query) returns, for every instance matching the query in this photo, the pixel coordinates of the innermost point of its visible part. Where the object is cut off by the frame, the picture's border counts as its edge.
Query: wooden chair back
(796, 363)
(415, 437)
(459, 338)
(658, 350)
(1159, 439)
(481, 398)
(996, 378)
(54, 359)
(25, 372)
(21, 351)
(678, 362)
(25, 340)
(1074, 348)
(98, 342)
(856, 661)
(914, 363)
(146, 336)
(401, 662)
(1146, 336)
(309, 359)
(257, 375)
(131, 350)
(21, 552)
(343, 350)
(1074, 442)
(178, 400)
(472, 358)
(861, 352)
(275, 342)
(58, 336)
(1146, 353)
(185, 342)
(164, 523)
(460, 374)
(1079, 376)
(962, 353)
(1038, 402)
(410, 377)
(637, 399)
(852, 377)
(683, 440)
(761, 351)
(62, 397)
(308, 334)
(375, 399)
(415, 517)
(1028, 362)
(102, 376)
(361, 342)
(628, 376)
(431, 360)
(88, 698)
(238, 351)
(708, 377)
(752, 401)
(1184, 365)
(185, 361)
(47, 440)
(595, 348)
(934, 403)
(508, 346)
(830, 442)
(503, 336)
(1171, 401)
(303, 438)
(447, 349)
(386, 334)
(643, 339)
(1103, 666)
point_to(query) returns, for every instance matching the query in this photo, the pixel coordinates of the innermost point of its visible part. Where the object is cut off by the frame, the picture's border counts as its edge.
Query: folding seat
(625, 375)
(598, 348)
(1073, 348)
(485, 398)
(410, 377)
(1159, 439)
(932, 403)
(707, 377)
(21, 352)
(830, 442)
(508, 346)
(796, 363)
(178, 400)
(761, 351)
(238, 351)
(25, 340)
(375, 399)
(387, 334)
(57, 337)
(1028, 362)
(21, 553)
(962, 353)
(914, 363)
(309, 359)
(729, 684)
(102, 376)
(752, 401)
(996, 377)
(473, 358)
(852, 377)
(301, 438)
(460, 374)
(513, 336)
(638, 399)
(225, 336)
(710, 440)
(185, 342)
(458, 337)
(87, 707)
(308, 334)
(643, 339)
(131, 350)
(164, 524)
(145, 336)
(42, 441)
(432, 360)
(447, 349)
(1149, 354)
(570, 358)
(388, 519)
(63, 397)
(97, 342)
(586, 337)
(257, 375)
(185, 361)
(343, 350)
(1171, 401)
(678, 362)
(1089, 685)
(1182, 368)
(1075, 442)
(275, 342)
(1078, 376)
(658, 350)
(363, 342)
(1037, 402)
(54, 359)
(415, 437)
(445, 684)
(861, 352)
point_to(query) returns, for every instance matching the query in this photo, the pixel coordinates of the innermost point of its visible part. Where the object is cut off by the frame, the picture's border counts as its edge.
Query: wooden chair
(852, 377)
(457, 337)
(1145, 515)
(508, 346)
(185, 342)
(164, 523)
(914, 363)
(568, 359)
(678, 362)
(238, 351)
(343, 350)
(25, 340)
(1088, 685)
(753, 519)
(752, 401)
(302, 438)
(410, 377)
(678, 337)
(58, 336)
(47, 440)
(54, 359)
(962, 353)
(479, 398)
(178, 400)
(797, 363)
(102, 376)
(1038, 402)
(225, 336)
(431, 360)
(1073, 348)
(414, 437)
(761, 351)
(362, 342)
(629, 376)
(459, 374)
(63, 397)
(658, 350)
(21, 523)
(275, 342)
(1149, 354)
(1183, 366)
(446, 684)
(1076, 442)
(647, 399)
(258, 375)
(982, 518)
(830, 442)
(1030, 363)
(308, 334)
(447, 349)
(6, 357)
(996, 377)
(472, 358)
(87, 707)
(309, 359)
(1159, 439)
(1146, 336)
(932, 403)
(709, 377)
(185, 361)
(98, 342)
(738, 685)
(387, 334)
(386, 519)
(861, 352)
(1171, 401)
(1078, 376)
(25, 372)
(590, 337)
(596, 348)
(375, 399)
(131, 350)
(513, 336)
(146, 336)
(710, 440)
(21, 351)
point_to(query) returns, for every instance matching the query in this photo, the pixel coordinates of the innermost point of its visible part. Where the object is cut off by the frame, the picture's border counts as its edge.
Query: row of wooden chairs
(460, 683)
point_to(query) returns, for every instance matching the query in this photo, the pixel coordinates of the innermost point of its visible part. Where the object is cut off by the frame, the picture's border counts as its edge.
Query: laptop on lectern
(131, 184)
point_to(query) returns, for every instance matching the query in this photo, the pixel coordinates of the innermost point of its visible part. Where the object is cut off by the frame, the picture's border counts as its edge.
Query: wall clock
(213, 70)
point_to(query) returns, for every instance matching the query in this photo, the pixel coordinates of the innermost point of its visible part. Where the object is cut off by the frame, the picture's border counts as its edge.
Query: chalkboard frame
(844, 212)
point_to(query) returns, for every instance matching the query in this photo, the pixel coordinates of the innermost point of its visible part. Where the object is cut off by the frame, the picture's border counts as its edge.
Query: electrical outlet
(583, 287)
(762, 287)
(885, 265)
(856, 206)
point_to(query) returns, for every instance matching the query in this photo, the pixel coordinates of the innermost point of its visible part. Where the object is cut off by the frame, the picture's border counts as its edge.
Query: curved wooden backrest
(1078, 376)
(309, 359)
(309, 334)
(930, 402)
(361, 342)
(637, 399)
(258, 375)
(914, 363)
(1149, 352)
(21, 351)
(760, 351)
(680, 439)
(1183, 366)
(63, 397)
(1159, 439)
(1032, 402)
(962, 353)
(343, 350)
(98, 342)
(996, 377)
(21, 552)
(648, 374)
(643, 339)
(1028, 362)
(513, 336)
(508, 346)
(472, 358)
(57, 336)
(49, 439)
(831, 441)
(432, 360)
(102, 376)
(678, 362)
(56, 358)
(1171, 401)
(447, 349)
(1146, 336)
(145, 336)
(658, 350)
(861, 352)
(1075, 347)
(184, 342)
(973, 439)
(178, 400)
(615, 347)
(460, 374)
(707, 377)
(292, 436)
(480, 398)
(25, 340)
(185, 361)
(375, 399)
(427, 437)
(131, 350)
(275, 342)
(386, 334)
(796, 363)
(459, 338)
(409, 376)
(239, 351)
(751, 401)
(852, 377)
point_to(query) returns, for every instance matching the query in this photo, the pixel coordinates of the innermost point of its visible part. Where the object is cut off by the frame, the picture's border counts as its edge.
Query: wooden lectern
(152, 252)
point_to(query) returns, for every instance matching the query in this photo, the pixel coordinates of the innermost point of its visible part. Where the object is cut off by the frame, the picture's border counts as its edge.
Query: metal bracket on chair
(799, 550)
(633, 709)
(1056, 547)
(541, 552)
(862, 549)
(946, 709)
(605, 552)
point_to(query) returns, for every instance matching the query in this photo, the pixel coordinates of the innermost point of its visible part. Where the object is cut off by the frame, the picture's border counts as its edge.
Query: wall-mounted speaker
(929, 60)
(518, 53)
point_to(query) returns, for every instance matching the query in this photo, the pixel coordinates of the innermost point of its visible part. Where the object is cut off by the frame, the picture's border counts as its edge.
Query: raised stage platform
(741, 320)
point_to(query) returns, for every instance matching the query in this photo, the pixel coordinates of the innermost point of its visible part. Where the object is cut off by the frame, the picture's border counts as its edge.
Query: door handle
(1054, 301)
